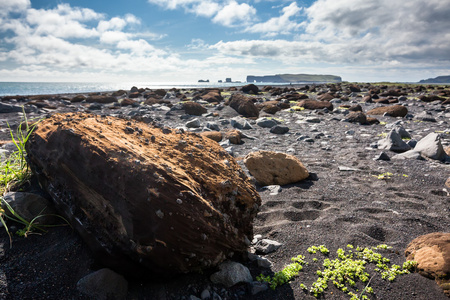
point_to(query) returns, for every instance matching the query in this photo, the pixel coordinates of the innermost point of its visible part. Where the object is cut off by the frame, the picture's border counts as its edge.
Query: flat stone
(267, 246)
(104, 284)
(231, 273)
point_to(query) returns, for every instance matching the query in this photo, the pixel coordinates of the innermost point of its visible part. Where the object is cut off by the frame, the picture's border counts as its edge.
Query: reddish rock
(357, 117)
(250, 89)
(367, 99)
(432, 254)
(269, 168)
(382, 101)
(356, 107)
(272, 107)
(213, 135)
(325, 97)
(160, 92)
(151, 101)
(392, 110)
(243, 105)
(213, 97)
(147, 201)
(234, 136)
(372, 121)
(194, 108)
(78, 98)
(127, 102)
(101, 99)
(134, 95)
(314, 104)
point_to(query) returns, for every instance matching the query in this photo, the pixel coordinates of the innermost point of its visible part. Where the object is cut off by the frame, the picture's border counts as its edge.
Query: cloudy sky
(187, 40)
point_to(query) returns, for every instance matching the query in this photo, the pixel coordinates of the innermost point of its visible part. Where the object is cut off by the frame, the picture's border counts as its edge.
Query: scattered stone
(104, 284)
(411, 154)
(447, 183)
(250, 88)
(194, 108)
(243, 105)
(267, 246)
(130, 215)
(263, 262)
(393, 142)
(275, 168)
(357, 117)
(8, 108)
(356, 107)
(314, 104)
(206, 294)
(78, 98)
(212, 97)
(234, 136)
(213, 126)
(278, 129)
(432, 253)
(29, 206)
(240, 123)
(194, 123)
(347, 169)
(231, 273)
(257, 287)
(382, 156)
(425, 116)
(312, 120)
(392, 111)
(101, 99)
(274, 189)
(402, 132)
(213, 135)
(266, 123)
(431, 147)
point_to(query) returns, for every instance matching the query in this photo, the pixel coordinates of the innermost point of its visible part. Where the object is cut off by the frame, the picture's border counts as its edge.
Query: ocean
(43, 88)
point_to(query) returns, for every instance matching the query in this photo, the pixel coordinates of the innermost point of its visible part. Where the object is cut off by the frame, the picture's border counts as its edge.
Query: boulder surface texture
(147, 201)
(432, 254)
(269, 167)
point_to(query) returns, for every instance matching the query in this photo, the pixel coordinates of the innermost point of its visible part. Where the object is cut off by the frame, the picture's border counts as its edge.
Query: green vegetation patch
(344, 272)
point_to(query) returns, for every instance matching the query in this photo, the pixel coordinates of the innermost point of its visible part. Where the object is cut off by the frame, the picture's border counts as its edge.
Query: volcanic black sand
(344, 201)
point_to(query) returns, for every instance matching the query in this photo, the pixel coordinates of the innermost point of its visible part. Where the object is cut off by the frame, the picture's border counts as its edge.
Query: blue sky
(187, 40)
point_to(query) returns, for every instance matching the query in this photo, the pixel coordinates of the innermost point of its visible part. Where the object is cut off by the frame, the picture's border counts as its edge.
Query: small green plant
(14, 170)
(383, 176)
(344, 272)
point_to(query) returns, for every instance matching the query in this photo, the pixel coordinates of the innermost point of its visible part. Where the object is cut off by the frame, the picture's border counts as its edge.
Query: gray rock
(263, 262)
(205, 294)
(382, 156)
(412, 143)
(240, 123)
(274, 189)
(402, 132)
(267, 246)
(29, 206)
(231, 273)
(212, 126)
(104, 284)
(411, 154)
(192, 297)
(425, 116)
(266, 123)
(312, 120)
(257, 287)
(194, 123)
(8, 108)
(393, 142)
(279, 129)
(431, 147)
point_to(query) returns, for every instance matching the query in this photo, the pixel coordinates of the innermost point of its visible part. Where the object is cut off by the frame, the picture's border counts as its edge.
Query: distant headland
(294, 78)
(439, 79)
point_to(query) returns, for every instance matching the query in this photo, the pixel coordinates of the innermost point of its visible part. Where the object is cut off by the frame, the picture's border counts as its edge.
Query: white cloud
(8, 6)
(234, 14)
(278, 25)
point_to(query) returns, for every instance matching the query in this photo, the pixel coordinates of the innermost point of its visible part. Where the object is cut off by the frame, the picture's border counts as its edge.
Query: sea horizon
(19, 88)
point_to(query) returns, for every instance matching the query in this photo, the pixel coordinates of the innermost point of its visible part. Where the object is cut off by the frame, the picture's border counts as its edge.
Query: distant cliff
(439, 79)
(294, 78)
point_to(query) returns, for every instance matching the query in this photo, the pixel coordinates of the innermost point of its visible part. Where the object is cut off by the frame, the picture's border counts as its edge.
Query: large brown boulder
(392, 110)
(314, 104)
(243, 105)
(194, 108)
(146, 200)
(432, 254)
(101, 99)
(213, 96)
(269, 168)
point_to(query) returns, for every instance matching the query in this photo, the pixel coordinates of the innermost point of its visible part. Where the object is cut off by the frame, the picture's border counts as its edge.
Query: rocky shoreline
(377, 157)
